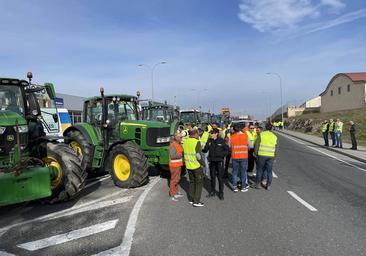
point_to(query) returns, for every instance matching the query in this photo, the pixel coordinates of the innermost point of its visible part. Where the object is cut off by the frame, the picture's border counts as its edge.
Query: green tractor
(32, 165)
(162, 112)
(113, 139)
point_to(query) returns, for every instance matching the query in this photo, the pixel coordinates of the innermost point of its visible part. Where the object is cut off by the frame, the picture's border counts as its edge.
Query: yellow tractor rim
(121, 167)
(76, 146)
(50, 161)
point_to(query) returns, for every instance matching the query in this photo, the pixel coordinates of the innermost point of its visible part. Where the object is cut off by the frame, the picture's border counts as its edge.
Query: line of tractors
(119, 135)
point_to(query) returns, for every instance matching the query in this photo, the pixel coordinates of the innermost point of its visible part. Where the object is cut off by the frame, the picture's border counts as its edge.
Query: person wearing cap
(194, 162)
(265, 152)
(175, 166)
(239, 154)
(217, 150)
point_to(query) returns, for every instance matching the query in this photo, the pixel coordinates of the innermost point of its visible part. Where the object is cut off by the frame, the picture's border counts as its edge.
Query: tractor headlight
(21, 128)
(2, 129)
(162, 139)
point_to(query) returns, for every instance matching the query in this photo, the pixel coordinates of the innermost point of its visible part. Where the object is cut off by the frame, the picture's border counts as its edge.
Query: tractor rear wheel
(127, 165)
(70, 178)
(82, 147)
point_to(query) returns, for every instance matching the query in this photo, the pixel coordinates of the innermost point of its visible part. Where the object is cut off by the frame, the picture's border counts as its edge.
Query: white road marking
(302, 201)
(329, 155)
(125, 247)
(67, 212)
(3, 253)
(97, 181)
(274, 175)
(67, 237)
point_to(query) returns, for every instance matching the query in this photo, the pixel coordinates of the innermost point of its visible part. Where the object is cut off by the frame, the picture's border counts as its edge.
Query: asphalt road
(317, 206)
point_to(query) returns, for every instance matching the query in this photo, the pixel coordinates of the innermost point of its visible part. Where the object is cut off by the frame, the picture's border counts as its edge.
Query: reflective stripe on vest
(267, 145)
(239, 146)
(176, 162)
(190, 157)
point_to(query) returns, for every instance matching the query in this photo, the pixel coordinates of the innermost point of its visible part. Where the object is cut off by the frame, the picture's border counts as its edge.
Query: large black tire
(137, 161)
(83, 149)
(71, 179)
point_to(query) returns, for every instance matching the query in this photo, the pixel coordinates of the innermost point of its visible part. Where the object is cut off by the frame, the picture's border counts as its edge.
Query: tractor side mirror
(50, 90)
(55, 118)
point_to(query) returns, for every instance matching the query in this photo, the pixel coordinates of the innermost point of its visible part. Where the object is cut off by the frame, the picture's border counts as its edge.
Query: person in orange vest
(175, 166)
(239, 155)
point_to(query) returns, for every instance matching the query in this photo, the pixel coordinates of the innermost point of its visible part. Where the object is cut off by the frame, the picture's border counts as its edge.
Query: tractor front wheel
(127, 165)
(70, 178)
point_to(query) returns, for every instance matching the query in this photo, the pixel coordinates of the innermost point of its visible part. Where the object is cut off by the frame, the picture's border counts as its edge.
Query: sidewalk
(359, 154)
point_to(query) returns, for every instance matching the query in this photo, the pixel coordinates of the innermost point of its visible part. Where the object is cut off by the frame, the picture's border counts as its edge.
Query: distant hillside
(311, 123)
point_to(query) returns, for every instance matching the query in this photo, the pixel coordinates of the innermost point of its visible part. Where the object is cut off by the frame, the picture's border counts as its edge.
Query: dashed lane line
(91, 205)
(324, 153)
(302, 201)
(125, 247)
(70, 236)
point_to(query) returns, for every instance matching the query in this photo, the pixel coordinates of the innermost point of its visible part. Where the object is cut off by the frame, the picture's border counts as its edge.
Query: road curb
(328, 148)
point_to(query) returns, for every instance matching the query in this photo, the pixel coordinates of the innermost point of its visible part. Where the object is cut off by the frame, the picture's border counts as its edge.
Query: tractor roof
(125, 97)
(13, 81)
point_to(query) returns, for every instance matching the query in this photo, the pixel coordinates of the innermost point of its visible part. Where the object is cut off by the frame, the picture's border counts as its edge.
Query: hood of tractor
(145, 123)
(9, 118)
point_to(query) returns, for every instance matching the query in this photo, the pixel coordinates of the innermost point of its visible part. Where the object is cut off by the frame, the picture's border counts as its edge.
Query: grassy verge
(311, 123)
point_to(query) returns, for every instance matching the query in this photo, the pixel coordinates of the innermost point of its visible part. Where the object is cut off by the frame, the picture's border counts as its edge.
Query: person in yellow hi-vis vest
(204, 135)
(252, 136)
(265, 152)
(194, 162)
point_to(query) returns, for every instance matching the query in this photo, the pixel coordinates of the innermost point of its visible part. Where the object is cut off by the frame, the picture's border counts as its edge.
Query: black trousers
(251, 160)
(354, 141)
(227, 163)
(217, 170)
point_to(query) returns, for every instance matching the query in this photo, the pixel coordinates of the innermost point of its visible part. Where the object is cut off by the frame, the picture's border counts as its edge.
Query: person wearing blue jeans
(240, 171)
(239, 154)
(264, 169)
(338, 132)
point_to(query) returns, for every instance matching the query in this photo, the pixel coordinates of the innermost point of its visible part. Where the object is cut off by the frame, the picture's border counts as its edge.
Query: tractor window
(188, 117)
(11, 99)
(94, 112)
(121, 111)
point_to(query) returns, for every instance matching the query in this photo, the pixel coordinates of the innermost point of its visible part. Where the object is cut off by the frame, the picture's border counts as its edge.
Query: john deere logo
(10, 137)
(125, 130)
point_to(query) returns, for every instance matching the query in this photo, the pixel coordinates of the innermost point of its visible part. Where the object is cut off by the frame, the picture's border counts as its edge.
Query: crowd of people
(206, 153)
(335, 130)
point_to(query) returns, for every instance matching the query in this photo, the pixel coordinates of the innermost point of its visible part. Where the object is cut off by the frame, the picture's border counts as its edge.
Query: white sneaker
(190, 202)
(244, 190)
(178, 196)
(198, 204)
(172, 198)
(236, 190)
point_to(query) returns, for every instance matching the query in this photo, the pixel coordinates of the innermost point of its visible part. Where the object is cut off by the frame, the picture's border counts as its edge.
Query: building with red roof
(345, 91)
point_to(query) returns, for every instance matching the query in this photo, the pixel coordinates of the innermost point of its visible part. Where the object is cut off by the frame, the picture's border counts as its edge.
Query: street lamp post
(152, 68)
(280, 78)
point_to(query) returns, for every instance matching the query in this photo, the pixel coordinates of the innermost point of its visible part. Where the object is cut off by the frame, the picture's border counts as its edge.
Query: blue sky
(225, 46)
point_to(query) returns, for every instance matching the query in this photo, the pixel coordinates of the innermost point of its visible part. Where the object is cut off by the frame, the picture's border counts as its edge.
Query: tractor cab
(190, 116)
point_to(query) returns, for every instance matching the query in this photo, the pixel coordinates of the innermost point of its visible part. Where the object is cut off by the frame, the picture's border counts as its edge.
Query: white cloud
(335, 4)
(279, 15)
(265, 15)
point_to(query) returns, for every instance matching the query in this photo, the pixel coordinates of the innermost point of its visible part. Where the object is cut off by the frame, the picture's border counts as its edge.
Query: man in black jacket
(217, 150)
(352, 131)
